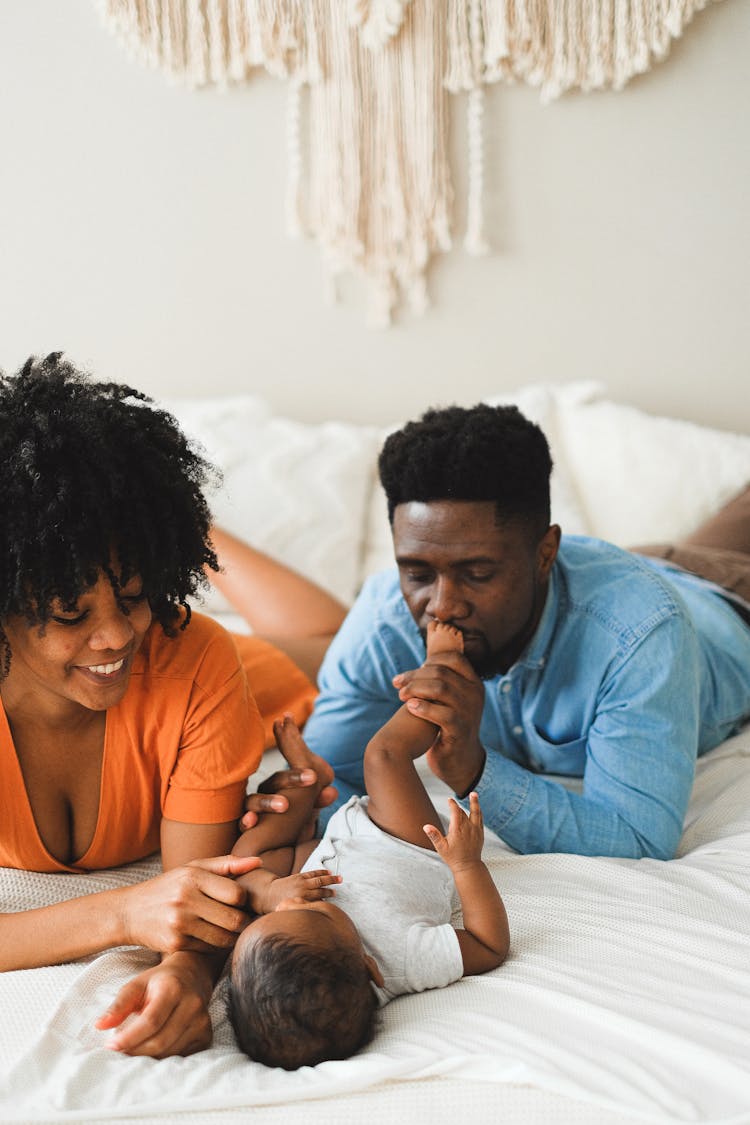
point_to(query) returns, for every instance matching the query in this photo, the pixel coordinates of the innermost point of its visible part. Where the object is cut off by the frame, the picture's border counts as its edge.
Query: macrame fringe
(474, 241)
(218, 42)
(560, 45)
(368, 173)
(377, 20)
(294, 221)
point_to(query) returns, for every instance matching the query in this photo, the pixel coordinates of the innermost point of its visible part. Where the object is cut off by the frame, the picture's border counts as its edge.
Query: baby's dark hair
(471, 453)
(90, 472)
(293, 1004)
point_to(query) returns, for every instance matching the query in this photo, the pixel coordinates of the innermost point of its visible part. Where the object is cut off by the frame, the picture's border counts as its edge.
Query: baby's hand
(306, 886)
(462, 847)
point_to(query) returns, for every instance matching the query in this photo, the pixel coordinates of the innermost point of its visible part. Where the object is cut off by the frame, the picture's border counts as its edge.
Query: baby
(307, 975)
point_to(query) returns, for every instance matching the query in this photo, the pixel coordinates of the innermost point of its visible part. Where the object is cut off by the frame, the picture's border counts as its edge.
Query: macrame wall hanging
(370, 81)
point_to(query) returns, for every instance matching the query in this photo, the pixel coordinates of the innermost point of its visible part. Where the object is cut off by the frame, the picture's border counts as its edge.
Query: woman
(126, 725)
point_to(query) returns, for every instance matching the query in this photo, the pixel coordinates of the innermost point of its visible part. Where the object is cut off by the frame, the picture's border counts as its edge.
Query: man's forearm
(534, 814)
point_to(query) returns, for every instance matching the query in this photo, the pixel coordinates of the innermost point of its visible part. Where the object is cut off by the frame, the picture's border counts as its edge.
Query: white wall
(142, 230)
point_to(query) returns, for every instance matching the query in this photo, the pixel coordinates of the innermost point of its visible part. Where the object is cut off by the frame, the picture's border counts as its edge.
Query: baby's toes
(291, 744)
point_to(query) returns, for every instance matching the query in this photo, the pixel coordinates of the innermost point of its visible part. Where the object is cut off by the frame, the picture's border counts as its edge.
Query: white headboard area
(142, 229)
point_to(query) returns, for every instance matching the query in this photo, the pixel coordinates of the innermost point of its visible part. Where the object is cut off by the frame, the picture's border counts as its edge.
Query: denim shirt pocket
(549, 756)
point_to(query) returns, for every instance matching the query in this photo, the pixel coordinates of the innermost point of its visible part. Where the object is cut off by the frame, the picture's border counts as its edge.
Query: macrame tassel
(197, 70)
(215, 32)
(377, 20)
(459, 70)
(495, 55)
(171, 46)
(237, 41)
(294, 221)
(379, 192)
(475, 241)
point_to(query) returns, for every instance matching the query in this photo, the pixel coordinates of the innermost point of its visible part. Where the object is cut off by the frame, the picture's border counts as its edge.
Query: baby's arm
(485, 938)
(283, 840)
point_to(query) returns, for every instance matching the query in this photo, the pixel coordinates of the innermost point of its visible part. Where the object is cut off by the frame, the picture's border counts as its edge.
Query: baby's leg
(275, 830)
(406, 733)
(399, 803)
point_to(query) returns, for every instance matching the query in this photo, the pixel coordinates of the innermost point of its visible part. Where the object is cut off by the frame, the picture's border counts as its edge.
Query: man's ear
(375, 974)
(546, 552)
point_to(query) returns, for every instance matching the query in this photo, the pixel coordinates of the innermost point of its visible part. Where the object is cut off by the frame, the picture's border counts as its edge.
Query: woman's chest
(61, 772)
(91, 801)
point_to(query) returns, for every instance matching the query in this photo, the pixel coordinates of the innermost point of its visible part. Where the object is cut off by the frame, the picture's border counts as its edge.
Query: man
(581, 660)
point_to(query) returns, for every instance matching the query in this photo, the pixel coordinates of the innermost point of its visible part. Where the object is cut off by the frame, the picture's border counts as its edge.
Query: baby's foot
(292, 745)
(443, 638)
(298, 754)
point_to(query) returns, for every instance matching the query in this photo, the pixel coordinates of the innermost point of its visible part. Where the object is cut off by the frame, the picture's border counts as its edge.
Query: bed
(626, 996)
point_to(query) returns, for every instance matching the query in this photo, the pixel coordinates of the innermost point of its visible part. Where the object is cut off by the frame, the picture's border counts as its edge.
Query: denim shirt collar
(535, 653)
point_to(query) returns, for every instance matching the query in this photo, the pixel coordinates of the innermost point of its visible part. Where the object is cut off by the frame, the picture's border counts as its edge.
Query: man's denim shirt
(634, 669)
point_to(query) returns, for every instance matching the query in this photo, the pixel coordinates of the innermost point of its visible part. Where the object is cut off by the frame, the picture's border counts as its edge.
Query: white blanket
(628, 987)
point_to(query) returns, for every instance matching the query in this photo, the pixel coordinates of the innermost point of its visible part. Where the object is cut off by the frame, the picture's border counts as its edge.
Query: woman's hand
(169, 1008)
(197, 907)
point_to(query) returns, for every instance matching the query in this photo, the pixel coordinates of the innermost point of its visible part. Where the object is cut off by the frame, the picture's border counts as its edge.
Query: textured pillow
(294, 490)
(540, 405)
(643, 478)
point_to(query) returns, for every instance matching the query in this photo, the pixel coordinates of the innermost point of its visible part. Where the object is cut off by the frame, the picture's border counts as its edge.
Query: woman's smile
(83, 655)
(105, 673)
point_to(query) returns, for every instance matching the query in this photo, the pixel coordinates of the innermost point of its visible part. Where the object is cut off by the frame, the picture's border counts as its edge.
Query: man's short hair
(470, 453)
(293, 1004)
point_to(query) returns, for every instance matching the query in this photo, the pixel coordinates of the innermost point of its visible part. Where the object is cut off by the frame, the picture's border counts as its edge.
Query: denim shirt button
(506, 687)
(518, 730)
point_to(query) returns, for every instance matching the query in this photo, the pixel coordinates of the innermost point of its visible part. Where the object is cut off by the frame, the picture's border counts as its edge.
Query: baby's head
(300, 989)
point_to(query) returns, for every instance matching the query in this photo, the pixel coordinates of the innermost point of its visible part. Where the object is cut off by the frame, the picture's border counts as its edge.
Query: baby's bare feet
(300, 757)
(443, 638)
(292, 745)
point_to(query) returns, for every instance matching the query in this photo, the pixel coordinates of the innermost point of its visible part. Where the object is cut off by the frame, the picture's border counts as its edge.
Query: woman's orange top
(181, 744)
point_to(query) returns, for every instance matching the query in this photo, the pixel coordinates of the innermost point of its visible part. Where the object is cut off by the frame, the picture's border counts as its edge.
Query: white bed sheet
(626, 997)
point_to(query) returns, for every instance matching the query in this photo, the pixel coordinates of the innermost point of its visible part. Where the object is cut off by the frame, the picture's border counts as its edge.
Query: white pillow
(540, 405)
(294, 490)
(645, 479)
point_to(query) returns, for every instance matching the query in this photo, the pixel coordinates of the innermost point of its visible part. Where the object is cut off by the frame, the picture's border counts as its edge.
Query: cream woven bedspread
(628, 988)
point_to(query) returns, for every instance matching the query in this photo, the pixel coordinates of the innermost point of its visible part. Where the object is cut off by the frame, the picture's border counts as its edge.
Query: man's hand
(461, 849)
(449, 694)
(169, 1006)
(306, 886)
(197, 907)
(306, 768)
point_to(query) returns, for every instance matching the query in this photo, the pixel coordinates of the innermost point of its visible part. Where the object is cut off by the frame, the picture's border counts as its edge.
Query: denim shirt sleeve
(640, 752)
(356, 694)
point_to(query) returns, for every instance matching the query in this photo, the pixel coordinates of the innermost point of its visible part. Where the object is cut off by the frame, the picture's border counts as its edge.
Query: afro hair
(93, 472)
